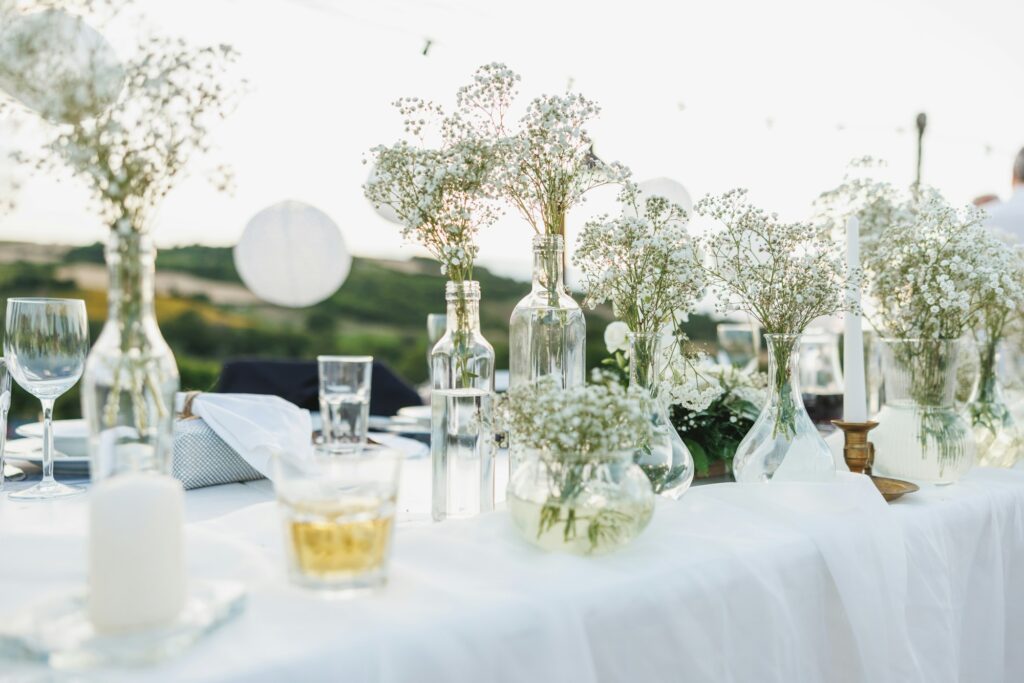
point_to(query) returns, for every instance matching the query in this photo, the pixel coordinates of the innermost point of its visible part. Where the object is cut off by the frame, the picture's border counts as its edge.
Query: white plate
(31, 450)
(71, 437)
(418, 413)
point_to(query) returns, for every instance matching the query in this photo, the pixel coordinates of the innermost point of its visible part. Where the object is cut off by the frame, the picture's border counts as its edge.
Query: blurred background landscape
(208, 316)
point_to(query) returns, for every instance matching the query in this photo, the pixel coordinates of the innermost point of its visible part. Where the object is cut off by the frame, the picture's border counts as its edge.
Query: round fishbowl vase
(998, 438)
(665, 459)
(921, 436)
(582, 505)
(783, 444)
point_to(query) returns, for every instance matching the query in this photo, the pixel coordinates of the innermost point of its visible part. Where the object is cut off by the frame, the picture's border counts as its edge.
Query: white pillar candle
(854, 394)
(136, 551)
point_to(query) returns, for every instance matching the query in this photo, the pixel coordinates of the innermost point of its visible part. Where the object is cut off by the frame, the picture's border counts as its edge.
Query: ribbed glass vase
(921, 435)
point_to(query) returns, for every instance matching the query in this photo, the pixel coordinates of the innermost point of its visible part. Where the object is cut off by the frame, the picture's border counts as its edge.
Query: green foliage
(380, 310)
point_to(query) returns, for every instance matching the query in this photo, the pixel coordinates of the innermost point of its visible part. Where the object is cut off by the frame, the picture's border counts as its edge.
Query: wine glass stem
(47, 441)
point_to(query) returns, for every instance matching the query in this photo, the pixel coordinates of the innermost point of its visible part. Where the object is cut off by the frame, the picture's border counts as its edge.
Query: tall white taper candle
(855, 395)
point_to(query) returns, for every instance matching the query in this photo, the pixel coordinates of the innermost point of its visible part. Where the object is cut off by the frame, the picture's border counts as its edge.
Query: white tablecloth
(733, 583)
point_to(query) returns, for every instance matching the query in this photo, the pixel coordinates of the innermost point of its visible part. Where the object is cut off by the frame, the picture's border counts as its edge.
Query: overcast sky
(775, 96)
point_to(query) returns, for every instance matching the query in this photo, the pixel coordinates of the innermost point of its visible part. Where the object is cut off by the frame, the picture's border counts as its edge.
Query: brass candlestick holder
(859, 454)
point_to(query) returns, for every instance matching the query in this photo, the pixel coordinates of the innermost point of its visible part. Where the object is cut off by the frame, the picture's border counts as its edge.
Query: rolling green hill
(381, 310)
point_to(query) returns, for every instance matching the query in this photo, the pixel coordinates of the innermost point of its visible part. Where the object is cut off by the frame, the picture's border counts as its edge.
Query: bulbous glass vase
(580, 504)
(665, 459)
(130, 376)
(997, 436)
(921, 435)
(783, 444)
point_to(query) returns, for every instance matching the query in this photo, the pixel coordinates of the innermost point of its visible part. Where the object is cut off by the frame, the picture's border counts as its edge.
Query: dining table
(783, 582)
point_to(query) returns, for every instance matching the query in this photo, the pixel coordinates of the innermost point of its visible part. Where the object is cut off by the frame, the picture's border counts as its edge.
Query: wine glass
(739, 345)
(5, 403)
(45, 347)
(436, 325)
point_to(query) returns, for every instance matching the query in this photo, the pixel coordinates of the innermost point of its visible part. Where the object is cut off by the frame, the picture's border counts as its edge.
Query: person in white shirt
(1008, 216)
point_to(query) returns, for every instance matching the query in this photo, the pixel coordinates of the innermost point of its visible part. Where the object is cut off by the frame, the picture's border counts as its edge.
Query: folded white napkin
(256, 426)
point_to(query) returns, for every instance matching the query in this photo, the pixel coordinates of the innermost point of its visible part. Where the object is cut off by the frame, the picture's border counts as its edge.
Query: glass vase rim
(920, 340)
(345, 359)
(596, 457)
(453, 286)
(548, 239)
(42, 299)
(783, 335)
(643, 335)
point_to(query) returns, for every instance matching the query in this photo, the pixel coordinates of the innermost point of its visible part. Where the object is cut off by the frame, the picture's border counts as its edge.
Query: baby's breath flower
(784, 274)
(642, 262)
(577, 423)
(547, 163)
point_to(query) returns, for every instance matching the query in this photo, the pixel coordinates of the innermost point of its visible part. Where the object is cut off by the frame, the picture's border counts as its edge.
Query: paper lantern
(292, 254)
(58, 65)
(671, 190)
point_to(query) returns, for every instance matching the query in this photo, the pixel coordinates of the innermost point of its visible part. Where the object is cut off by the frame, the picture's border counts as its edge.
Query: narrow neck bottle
(463, 299)
(644, 360)
(548, 268)
(987, 389)
(783, 382)
(131, 266)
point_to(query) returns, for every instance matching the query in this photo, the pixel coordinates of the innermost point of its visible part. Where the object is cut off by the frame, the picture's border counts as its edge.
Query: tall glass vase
(921, 435)
(547, 331)
(997, 437)
(462, 432)
(130, 376)
(783, 444)
(665, 459)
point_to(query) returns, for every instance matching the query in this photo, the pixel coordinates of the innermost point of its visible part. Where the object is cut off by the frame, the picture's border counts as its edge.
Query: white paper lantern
(47, 57)
(670, 189)
(292, 254)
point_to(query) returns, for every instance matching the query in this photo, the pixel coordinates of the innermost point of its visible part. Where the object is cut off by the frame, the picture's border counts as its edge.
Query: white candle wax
(854, 395)
(136, 551)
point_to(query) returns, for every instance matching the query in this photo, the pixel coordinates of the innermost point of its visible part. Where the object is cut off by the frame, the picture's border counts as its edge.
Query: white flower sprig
(643, 262)
(783, 274)
(132, 152)
(932, 273)
(547, 163)
(691, 383)
(578, 423)
(442, 195)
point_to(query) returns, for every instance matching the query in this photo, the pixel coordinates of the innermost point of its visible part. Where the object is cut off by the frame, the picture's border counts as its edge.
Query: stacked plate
(70, 442)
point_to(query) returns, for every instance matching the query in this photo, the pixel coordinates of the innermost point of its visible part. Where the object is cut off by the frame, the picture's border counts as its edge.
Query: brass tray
(891, 489)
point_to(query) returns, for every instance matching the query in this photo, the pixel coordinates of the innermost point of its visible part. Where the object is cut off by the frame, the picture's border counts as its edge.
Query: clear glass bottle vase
(997, 436)
(783, 444)
(462, 441)
(547, 330)
(665, 460)
(130, 376)
(921, 435)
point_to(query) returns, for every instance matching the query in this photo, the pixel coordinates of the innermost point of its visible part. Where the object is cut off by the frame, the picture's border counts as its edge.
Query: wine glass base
(46, 491)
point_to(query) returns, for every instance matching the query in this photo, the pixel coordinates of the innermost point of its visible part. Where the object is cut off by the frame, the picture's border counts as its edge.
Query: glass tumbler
(338, 513)
(345, 400)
